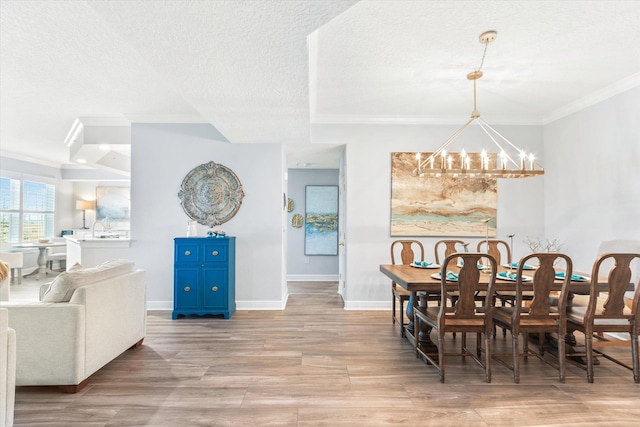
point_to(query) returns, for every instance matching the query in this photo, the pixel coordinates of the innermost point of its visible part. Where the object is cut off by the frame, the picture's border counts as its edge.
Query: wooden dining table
(415, 280)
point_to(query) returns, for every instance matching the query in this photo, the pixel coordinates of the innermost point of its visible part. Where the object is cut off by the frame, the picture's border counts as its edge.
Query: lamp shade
(83, 205)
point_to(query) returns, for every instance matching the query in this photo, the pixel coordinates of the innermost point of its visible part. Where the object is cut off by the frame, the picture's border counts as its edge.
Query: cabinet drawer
(215, 252)
(187, 252)
(186, 287)
(215, 288)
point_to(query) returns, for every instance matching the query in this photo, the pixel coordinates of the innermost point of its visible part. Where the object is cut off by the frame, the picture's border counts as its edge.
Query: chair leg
(441, 355)
(478, 345)
(401, 317)
(561, 355)
(588, 344)
(635, 355)
(516, 359)
(393, 308)
(525, 347)
(487, 354)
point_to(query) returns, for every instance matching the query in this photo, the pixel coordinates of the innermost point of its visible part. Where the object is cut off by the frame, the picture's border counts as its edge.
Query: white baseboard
(240, 305)
(312, 277)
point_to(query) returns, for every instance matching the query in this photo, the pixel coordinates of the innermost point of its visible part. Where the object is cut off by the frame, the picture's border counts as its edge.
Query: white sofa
(102, 314)
(7, 370)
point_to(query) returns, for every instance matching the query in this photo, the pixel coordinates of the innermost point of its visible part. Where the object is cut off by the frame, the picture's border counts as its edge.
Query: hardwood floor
(315, 364)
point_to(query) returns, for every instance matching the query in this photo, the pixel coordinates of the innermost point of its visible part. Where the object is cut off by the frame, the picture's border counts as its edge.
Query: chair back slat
(449, 248)
(407, 253)
(495, 251)
(543, 283)
(617, 283)
(468, 284)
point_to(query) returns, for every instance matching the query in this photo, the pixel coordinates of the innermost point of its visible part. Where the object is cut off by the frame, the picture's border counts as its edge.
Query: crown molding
(165, 118)
(421, 120)
(34, 160)
(598, 96)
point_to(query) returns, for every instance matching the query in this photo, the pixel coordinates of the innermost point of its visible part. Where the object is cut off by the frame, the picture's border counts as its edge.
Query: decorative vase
(192, 229)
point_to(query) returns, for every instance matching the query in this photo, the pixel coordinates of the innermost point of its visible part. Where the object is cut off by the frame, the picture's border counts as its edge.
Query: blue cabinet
(204, 276)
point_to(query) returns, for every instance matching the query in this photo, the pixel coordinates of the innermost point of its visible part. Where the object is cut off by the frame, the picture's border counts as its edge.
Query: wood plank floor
(315, 364)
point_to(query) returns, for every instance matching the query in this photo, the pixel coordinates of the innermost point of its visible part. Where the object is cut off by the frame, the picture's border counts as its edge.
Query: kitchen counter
(90, 251)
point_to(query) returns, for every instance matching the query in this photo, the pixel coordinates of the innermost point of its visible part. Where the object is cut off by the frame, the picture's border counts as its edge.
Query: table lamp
(83, 205)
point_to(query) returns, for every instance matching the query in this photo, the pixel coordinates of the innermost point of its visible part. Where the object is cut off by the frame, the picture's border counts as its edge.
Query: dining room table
(424, 279)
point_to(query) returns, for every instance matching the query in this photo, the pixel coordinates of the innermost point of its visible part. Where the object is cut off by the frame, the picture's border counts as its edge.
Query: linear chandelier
(509, 162)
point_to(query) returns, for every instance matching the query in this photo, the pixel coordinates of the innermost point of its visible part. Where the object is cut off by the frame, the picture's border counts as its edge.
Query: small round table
(42, 269)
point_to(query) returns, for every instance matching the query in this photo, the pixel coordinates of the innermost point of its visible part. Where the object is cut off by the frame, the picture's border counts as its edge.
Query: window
(27, 210)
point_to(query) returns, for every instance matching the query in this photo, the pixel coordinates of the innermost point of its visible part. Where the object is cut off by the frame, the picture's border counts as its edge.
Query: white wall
(319, 267)
(368, 155)
(162, 154)
(593, 176)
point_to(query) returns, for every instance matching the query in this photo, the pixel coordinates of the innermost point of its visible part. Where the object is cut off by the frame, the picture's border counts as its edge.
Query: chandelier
(509, 162)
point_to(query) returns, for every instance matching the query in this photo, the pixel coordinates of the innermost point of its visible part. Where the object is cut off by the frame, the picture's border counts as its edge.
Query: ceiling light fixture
(500, 165)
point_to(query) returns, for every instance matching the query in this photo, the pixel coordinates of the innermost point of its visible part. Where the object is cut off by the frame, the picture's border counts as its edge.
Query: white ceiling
(265, 71)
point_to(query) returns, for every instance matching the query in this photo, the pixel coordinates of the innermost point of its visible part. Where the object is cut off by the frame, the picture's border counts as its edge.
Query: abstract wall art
(463, 206)
(321, 220)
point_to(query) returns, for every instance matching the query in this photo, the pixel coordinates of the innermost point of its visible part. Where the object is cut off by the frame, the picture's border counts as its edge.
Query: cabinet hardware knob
(187, 288)
(187, 253)
(214, 253)
(214, 289)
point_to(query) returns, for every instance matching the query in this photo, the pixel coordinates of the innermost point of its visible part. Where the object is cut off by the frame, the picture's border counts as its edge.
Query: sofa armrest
(50, 346)
(116, 317)
(7, 369)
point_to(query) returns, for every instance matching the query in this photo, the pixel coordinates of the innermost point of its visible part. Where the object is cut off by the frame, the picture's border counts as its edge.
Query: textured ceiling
(264, 71)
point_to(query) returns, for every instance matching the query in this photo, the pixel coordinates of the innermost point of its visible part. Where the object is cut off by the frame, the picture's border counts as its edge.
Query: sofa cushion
(63, 286)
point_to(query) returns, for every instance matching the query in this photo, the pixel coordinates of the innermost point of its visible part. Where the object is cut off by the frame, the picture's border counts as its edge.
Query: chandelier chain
(484, 54)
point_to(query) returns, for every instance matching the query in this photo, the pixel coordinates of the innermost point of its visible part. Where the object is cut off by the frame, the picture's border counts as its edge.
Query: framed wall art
(462, 206)
(321, 220)
(113, 203)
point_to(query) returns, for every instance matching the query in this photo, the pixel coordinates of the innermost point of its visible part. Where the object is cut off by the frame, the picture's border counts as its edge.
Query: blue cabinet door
(186, 287)
(214, 288)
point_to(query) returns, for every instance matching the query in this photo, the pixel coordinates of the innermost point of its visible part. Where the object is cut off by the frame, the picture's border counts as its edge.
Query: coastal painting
(113, 203)
(321, 220)
(461, 206)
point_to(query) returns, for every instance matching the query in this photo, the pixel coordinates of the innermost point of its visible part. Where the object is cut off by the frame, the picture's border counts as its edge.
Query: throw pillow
(63, 286)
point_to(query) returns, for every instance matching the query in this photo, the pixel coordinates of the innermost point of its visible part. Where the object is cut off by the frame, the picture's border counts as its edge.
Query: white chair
(57, 254)
(7, 370)
(15, 261)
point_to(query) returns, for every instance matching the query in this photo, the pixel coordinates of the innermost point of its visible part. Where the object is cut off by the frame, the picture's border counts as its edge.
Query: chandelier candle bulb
(432, 161)
(444, 156)
(531, 158)
(468, 162)
(449, 161)
(463, 155)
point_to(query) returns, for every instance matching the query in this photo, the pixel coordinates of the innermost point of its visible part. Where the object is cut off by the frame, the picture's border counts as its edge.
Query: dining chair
(465, 316)
(609, 314)
(496, 249)
(537, 315)
(403, 251)
(448, 246)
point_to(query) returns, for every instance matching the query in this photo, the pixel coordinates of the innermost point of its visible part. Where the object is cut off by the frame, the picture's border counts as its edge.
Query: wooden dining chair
(496, 249)
(444, 248)
(404, 252)
(610, 313)
(464, 316)
(538, 315)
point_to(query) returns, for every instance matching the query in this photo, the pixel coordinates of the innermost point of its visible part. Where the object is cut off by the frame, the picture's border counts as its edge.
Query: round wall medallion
(297, 220)
(290, 205)
(211, 194)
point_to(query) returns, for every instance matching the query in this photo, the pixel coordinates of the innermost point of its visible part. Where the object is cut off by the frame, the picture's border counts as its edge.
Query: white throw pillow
(63, 286)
